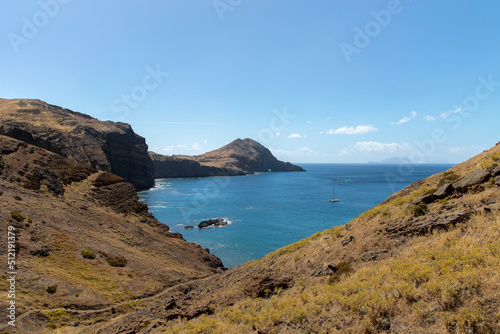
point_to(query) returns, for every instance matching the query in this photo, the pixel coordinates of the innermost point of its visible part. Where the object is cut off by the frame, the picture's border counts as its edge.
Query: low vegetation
(116, 261)
(88, 254)
(17, 216)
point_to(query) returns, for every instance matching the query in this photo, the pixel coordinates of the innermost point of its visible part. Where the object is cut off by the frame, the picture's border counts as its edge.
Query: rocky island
(217, 222)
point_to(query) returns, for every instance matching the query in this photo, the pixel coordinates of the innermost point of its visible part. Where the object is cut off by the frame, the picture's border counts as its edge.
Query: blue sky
(322, 81)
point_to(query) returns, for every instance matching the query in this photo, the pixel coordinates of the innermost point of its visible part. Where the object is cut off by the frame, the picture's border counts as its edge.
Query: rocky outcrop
(106, 146)
(217, 222)
(240, 157)
(426, 224)
(472, 181)
(329, 270)
(265, 285)
(478, 176)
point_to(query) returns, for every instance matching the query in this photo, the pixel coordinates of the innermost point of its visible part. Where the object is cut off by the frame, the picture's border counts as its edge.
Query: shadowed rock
(444, 191)
(106, 146)
(217, 222)
(426, 224)
(478, 176)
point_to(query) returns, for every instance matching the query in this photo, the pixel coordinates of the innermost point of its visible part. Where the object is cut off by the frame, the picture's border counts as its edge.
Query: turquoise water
(270, 210)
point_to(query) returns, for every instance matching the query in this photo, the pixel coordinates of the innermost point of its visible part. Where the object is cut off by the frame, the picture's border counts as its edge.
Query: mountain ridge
(103, 145)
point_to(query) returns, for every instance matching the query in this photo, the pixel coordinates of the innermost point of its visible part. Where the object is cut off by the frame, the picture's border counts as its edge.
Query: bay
(267, 211)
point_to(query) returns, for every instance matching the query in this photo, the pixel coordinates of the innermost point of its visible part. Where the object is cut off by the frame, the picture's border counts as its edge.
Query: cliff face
(106, 146)
(84, 233)
(240, 157)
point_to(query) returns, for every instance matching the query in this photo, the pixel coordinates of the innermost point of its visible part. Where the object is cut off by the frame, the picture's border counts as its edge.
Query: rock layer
(106, 146)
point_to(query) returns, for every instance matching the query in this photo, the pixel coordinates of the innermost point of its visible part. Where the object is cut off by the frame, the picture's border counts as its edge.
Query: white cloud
(278, 134)
(429, 118)
(402, 121)
(168, 149)
(182, 147)
(197, 147)
(359, 130)
(406, 119)
(450, 113)
(377, 148)
(296, 135)
(372, 146)
(301, 152)
(308, 122)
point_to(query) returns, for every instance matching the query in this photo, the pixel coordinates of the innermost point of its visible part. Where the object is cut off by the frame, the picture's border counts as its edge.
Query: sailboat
(333, 199)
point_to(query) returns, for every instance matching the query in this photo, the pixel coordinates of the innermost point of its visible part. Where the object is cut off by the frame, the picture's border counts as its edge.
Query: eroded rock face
(426, 224)
(106, 146)
(476, 177)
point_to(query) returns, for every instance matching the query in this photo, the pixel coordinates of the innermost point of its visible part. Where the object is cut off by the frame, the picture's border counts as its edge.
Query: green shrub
(52, 289)
(17, 198)
(117, 261)
(17, 216)
(419, 210)
(30, 220)
(88, 254)
(448, 177)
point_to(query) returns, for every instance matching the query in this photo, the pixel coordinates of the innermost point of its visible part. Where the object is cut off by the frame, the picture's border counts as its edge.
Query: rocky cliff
(106, 146)
(83, 239)
(240, 157)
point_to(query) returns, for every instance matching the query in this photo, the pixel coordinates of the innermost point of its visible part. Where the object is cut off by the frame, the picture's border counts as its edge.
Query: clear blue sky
(317, 81)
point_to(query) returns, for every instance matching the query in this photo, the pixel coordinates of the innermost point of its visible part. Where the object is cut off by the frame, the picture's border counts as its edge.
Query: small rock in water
(213, 222)
(188, 227)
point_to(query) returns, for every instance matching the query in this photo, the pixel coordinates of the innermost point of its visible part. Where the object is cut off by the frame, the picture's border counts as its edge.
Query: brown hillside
(413, 264)
(84, 241)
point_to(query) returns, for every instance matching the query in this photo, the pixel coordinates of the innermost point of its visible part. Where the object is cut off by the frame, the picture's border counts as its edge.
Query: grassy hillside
(401, 267)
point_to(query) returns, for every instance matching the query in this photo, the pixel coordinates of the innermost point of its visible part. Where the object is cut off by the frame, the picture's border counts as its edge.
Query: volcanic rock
(478, 176)
(217, 222)
(106, 146)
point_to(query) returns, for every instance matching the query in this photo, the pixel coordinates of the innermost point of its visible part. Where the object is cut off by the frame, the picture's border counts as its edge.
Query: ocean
(267, 211)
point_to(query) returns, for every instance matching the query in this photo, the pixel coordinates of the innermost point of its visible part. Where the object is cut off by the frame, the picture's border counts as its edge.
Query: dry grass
(446, 282)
